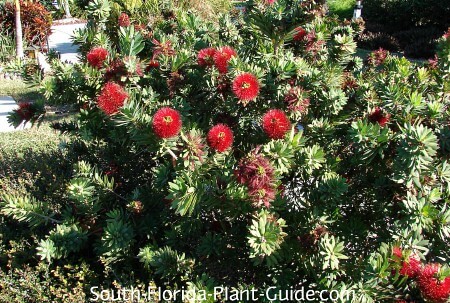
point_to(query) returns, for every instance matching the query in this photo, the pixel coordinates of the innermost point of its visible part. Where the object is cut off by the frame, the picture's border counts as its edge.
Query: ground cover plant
(258, 153)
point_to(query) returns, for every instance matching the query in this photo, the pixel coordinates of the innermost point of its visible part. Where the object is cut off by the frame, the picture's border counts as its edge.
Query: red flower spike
(162, 48)
(411, 268)
(96, 57)
(275, 124)
(433, 289)
(246, 87)
(166, 123)
(377, 57)
(152, 64)
(397, 251)
(377, 116)
(222, 57)
(255, 171)
(297, 100)
(433, 62)
(220, 137)
(262, 196)
(205, 57)
(300, 33)
(25, 111)
(111, 98)
(124, 20)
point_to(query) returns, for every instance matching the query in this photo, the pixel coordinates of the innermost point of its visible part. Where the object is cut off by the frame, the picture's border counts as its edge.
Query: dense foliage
(36, 21)
(257, 153)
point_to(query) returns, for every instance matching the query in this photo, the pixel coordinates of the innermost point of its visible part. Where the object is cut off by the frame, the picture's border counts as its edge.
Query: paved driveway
(60, 40)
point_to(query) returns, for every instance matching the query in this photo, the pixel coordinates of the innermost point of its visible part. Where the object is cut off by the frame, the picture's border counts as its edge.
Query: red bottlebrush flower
(262, 196)
(151, 65)
(222, 57)
(300, 33)
(275, 124)
(397, 252)
(25, 111)
(377, 57)
(313, 45)
(411, 268)
(124, 20)
(349, 83)
(377, 116)
(166, 122)
(433, 289)
(255, 171)
(433, 63)
(297, 100)
(205, 57)
(269, 2)
(111, 98)
(220, 137)
(246, 87)
(162, 48)
(97, 56)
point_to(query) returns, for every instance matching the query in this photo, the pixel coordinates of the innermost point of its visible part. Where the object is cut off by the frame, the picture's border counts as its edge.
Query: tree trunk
(67, 9)
(19, 35)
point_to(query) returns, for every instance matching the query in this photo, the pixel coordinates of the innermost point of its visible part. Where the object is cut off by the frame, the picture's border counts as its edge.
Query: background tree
(66, 6)
(19, 36)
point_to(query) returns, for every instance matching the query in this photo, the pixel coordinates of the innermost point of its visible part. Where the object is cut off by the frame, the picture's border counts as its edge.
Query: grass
(33, 162)
(36, 139)
(42, 139)
(20, 90)
(342, 8)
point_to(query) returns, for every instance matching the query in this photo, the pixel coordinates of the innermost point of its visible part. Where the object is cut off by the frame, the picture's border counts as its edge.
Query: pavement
(7, 104)
(60, 40)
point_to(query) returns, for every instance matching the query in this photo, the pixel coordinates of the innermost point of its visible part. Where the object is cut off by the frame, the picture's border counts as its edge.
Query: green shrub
(59, 88)
(284, 160)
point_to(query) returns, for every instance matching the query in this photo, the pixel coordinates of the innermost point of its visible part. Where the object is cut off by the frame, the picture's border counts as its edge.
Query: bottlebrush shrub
(36, 21)
(26, 112)
(332, 163)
